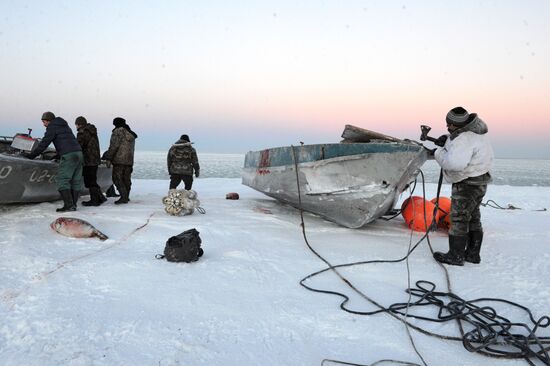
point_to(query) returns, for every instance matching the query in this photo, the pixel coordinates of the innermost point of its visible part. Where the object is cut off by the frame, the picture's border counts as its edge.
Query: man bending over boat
(69, 173)
(466, 156)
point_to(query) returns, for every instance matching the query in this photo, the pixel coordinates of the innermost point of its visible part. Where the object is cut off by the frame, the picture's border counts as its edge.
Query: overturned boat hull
(24, 180)
(351, 184)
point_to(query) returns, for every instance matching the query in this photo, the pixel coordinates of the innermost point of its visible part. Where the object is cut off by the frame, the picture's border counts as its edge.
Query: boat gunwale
(253, 158)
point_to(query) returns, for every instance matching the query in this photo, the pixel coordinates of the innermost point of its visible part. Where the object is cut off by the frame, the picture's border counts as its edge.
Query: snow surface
(67, 301)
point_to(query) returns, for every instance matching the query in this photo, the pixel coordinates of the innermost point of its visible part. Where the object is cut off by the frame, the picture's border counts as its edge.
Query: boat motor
(24, 142)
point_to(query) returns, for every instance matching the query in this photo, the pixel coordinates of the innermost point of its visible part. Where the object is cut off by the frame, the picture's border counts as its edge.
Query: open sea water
(513, 172)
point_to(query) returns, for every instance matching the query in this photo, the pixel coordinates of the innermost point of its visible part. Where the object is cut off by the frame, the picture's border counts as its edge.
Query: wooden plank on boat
(353, 134)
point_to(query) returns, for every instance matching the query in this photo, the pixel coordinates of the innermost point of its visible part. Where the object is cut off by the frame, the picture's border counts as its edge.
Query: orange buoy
(443, 215)
(413, 211)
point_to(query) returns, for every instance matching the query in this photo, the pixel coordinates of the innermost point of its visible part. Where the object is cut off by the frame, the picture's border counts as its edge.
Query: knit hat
(457, 116)
(184, 138)
(119, 122)
(47, 116)
(80, 121)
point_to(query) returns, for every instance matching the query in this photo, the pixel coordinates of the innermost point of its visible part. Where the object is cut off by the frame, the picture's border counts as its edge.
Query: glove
(196, 173)
(441, 140)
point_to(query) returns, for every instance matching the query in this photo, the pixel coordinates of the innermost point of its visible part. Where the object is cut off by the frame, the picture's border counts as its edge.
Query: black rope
(391, 215)
(380, 362)
(487, 332)
(493, 204)
(330, 266)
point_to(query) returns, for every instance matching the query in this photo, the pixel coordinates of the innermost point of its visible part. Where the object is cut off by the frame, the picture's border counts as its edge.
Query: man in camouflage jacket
(121, 155)
(89, 142)
(182, 162)
(466, 157)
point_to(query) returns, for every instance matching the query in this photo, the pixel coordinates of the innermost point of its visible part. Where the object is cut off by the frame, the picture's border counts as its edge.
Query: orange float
(443, 215)
(413, 211)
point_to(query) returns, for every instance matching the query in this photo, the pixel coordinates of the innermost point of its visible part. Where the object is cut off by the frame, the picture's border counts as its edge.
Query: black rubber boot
(111, 192)
(474, 246)
(455, 256)
(101, 197)
(68, 204)
(121, 200)
(75, 195)
(95, 200)
(123, 196)
(89, 203)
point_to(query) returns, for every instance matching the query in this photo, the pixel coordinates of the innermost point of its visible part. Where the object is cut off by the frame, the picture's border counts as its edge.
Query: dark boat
(23, 180)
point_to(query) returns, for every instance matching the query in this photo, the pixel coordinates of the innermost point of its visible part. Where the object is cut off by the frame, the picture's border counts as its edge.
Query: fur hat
(119, 122)
(184, 138)
(457, 116)
(47, 116)
(80, 121)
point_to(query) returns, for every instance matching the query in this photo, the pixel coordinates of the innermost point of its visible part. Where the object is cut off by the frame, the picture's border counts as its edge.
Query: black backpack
(184, 247)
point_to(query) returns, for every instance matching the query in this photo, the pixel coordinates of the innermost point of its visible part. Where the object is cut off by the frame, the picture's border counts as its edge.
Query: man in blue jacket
(69, 173)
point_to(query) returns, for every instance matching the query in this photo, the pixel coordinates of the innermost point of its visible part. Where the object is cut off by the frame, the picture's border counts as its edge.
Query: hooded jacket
(121, 146)
(87, 138)
(467, 155)
(182, 159)
(58, 132)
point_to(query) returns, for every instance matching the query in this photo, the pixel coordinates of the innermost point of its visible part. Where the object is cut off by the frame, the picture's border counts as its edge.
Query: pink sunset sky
(246, 75)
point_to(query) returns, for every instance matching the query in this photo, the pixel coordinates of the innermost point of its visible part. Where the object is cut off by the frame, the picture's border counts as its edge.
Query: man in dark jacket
(182, 162)
(121, 155)
(69, 173)
(89, 142)
(466, 157)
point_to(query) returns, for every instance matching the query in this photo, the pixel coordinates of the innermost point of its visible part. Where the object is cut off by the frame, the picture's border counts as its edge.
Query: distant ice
(513, 172)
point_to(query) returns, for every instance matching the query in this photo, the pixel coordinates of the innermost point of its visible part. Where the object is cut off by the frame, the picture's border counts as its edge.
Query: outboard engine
(24, 142)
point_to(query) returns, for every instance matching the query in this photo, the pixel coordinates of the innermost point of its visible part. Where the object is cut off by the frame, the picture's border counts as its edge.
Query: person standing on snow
(466, 157)
(182, 162)
(69, 173)
(121, 155)
(89, 142)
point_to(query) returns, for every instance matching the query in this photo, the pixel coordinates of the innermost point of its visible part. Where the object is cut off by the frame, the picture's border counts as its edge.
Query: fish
(76, 228)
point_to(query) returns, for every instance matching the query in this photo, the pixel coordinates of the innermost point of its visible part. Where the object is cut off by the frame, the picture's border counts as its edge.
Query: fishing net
(180, 202)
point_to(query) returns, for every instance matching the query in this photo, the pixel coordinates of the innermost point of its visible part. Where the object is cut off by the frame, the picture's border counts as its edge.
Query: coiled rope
(490, 335)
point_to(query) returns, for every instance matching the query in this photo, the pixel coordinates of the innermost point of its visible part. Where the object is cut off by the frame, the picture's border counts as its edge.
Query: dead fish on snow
(76, 228)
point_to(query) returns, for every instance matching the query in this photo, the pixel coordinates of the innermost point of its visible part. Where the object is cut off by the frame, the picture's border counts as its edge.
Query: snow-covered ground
(67, 301)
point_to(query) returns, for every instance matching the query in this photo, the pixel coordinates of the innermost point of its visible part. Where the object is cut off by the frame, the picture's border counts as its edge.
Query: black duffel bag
(184, 247)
